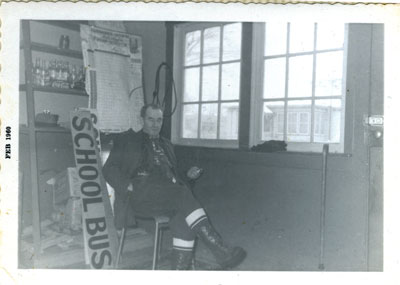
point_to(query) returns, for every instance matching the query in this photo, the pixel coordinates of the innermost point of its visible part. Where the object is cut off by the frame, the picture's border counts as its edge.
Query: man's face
(152, 121)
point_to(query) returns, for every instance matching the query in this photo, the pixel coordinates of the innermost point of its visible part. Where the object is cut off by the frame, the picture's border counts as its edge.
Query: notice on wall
(116, 58)
(100, 236)
(110, 41)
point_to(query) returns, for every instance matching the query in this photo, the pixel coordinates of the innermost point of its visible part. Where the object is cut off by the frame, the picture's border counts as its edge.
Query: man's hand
(130, 187)
(194, 172)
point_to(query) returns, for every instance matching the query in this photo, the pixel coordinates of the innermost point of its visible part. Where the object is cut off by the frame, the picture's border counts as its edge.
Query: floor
(141, 259)
(137, 252)
(65, 250)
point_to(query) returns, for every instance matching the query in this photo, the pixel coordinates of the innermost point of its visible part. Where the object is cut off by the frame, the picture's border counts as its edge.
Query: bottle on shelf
(65, 74)
(66, 42)
(38, 73)
(83, 73)
(46, 76)
(61, 42)
(52, 72)
(42, 73)
(64, 71)
(80, 80)
(33, 73)
(73, 77)
(58, 73)
(83, 78)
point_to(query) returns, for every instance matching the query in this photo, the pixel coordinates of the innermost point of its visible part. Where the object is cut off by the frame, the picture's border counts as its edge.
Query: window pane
(211, 45)
(192, 48)
(191, 86)
(328, 81)
(318, 124)
(232, 45)
(300, 76)
(275, 38)
(299, 124)
(328, 118)
(209, 118)
(330, 36)
(304, 123)
(301, 37)
(273, 121)
(190, 120)
(292, 123)
(210, 83)
(229, 121)
(230, 81)
(274, 78)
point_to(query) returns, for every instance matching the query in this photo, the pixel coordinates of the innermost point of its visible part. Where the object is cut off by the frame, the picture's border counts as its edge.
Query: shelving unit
(63, 24)
(34, 131)
(54, 50)
(23, 87)
(25, 130)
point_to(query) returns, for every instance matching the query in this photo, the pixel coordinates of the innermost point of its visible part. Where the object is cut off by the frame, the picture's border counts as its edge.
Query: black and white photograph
(190, 140)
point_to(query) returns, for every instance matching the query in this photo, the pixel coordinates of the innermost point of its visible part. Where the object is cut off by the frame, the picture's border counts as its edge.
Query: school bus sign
(100, 236)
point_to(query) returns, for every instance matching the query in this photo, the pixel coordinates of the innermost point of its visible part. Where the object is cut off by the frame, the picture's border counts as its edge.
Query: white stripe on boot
(182, 244)
(195, 217)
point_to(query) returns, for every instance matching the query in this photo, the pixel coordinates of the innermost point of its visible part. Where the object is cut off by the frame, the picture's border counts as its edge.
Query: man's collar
(150, 137)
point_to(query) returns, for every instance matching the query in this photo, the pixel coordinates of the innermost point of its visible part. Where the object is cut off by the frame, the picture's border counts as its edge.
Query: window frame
(258, 100)
(180, 31)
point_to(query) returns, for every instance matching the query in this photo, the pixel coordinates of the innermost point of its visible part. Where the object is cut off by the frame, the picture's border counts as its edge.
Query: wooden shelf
(71, 25)
(66, 91)
(54, 50)
(52, 130)
(24, 130)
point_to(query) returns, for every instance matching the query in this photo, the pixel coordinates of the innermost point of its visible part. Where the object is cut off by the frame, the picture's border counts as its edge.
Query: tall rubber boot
(227, 257)
(181, 259)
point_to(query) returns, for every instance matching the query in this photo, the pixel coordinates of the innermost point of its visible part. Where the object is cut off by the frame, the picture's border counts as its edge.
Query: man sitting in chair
(144, 163)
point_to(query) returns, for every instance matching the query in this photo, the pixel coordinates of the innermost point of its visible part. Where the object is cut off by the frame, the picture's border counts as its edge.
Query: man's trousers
(154, 195)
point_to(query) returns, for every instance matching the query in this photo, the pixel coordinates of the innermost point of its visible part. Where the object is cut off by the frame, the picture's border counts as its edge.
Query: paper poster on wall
(116, 59)
(109, 25)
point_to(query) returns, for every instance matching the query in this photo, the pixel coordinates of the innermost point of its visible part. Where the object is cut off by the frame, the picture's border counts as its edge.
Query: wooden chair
(161, 223)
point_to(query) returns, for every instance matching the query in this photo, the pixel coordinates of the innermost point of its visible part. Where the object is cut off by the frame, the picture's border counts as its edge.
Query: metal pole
(325, 152)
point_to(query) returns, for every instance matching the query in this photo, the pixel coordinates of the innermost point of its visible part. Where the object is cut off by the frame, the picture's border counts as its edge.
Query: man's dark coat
(121, 167)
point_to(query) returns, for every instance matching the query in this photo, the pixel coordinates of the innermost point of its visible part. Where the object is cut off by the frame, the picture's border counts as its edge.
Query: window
(302, 94)
(297, 84)
(208, 62)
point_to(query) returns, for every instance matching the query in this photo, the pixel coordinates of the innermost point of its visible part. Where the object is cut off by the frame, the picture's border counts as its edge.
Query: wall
(270, 203)
(153, 35)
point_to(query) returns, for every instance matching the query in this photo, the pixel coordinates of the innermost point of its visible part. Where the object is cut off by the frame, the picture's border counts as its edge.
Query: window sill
(282, 159)
(215, 144)
(236, 149)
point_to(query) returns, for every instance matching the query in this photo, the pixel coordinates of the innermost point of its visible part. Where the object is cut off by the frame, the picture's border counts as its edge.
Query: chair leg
(120, 248)
(160, 235)
(155, 250)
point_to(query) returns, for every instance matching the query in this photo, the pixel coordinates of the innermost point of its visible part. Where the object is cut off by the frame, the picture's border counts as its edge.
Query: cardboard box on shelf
(74, 214)
(65, 185)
